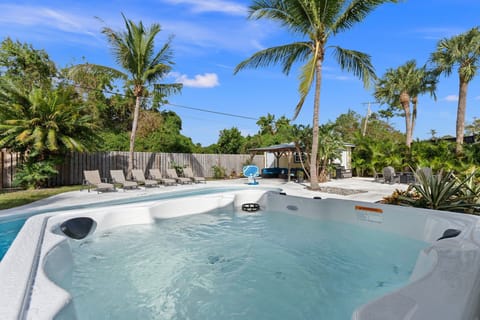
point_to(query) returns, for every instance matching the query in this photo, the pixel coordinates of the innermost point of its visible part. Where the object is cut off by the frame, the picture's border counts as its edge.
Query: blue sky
(213, 36)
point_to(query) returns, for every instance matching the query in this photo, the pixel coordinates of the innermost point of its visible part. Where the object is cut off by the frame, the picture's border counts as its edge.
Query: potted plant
(300, 176)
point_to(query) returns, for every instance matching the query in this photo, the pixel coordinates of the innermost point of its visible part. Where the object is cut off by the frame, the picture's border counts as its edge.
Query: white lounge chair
(140, 178)
(119, 177)
(188, 173)
(155, 174)
(172, 174)
(93, 180)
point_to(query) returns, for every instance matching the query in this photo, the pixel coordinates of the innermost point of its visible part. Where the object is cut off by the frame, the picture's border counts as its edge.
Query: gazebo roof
(283, 147)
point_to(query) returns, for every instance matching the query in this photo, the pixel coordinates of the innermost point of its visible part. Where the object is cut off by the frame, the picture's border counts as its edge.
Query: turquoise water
(8, 231)
(9, 228)
(226, 266)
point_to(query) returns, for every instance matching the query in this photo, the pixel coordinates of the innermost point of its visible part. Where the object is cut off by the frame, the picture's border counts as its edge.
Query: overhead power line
(211, 111)
(172, 104)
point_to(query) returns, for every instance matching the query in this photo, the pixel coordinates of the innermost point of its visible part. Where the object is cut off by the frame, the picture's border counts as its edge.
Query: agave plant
(472, 191)
(442, 192)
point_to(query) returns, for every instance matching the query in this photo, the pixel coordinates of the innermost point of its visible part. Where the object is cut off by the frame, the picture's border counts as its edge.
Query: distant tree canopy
(22, 64)
(230, 141)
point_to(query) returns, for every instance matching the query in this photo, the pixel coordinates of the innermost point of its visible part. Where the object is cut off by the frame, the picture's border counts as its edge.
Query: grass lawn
(20, 198)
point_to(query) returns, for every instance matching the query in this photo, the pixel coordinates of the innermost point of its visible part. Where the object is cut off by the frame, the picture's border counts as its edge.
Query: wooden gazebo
(278, 150)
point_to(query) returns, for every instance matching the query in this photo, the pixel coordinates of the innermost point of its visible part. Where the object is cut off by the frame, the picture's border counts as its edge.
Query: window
(296, 157)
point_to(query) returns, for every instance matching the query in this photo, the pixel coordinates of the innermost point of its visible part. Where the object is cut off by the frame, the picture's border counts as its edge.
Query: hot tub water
(266, 265)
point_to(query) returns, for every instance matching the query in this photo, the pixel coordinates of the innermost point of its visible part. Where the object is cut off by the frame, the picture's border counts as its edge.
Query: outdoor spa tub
(248, 254)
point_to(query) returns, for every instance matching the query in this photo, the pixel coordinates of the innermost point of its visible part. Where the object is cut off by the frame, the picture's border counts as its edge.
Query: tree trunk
(132, 137)
(316, 111)
(414, 115)
(405, 101)
(462, 107)
(300, 152)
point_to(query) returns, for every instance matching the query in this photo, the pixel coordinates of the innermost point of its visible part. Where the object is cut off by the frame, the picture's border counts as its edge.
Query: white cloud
(438, 33)
(337, 77)
(451, 98)
(222, 6)
(207, 80)
(37, 16)
(236, 36)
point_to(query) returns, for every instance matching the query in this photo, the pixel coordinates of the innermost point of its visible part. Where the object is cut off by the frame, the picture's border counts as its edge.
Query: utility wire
(170, 104)
(211, 111)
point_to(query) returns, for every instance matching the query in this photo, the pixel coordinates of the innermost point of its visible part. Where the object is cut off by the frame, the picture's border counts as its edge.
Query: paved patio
(370, 191)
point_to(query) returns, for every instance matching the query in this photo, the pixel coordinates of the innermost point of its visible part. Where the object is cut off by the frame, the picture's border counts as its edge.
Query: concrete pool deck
(371, 191)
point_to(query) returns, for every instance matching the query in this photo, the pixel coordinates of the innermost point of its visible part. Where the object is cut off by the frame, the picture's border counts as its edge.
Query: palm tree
(315, 21)
(134, 51)
(463, 52)
(43, 123)
(266, 124)
(402, 86)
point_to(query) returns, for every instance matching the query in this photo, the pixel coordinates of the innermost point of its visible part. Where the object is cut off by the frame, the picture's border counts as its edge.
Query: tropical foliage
(400, 88)
(230, 141)
(329, 150)
(134, 51)
(33, 175)
(442, 191)
(461, 52)
(43, 123)
(21, 63)
(315, 21)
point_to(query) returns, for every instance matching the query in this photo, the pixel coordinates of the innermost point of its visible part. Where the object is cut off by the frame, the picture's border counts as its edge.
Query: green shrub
(33, 175)
(218, 172)
(178, 168)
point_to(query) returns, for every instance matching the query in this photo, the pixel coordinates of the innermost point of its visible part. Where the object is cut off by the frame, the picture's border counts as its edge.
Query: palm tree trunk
(462, 106)
(405, 101)
(316, 111)
(132, 137)
(414, 115)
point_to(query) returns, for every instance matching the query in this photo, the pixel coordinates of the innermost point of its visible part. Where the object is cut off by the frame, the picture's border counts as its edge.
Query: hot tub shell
(444, 283)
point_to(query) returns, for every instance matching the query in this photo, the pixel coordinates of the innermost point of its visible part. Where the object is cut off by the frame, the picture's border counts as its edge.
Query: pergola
(278, 150)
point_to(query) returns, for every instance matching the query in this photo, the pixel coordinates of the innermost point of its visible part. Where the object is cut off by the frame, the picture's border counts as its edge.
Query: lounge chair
(93, 181)
(140, 178)
(378, 176)
(119, 177)
(188, 173)
(155, 174)
(172, 174)
(390, 176)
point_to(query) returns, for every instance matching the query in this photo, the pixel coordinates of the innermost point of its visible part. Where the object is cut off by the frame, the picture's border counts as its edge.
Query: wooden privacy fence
(9, 162)
(71, 171)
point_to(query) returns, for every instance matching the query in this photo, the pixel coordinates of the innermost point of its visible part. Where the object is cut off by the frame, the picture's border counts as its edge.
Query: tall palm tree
(134, 51)
(462, 52)
(402, 86)
(316, 21)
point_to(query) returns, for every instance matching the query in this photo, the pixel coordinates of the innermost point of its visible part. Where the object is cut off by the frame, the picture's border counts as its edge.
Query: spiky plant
(441, 192)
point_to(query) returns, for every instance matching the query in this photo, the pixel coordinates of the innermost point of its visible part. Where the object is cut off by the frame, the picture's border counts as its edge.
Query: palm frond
(167, 89)
(307, 76)
(355, 12)
(165, 54)
(290, 14)
(79, 70)
(356, 62)
(285, 55)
